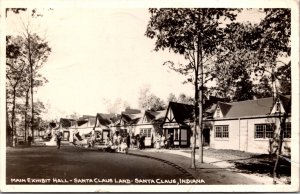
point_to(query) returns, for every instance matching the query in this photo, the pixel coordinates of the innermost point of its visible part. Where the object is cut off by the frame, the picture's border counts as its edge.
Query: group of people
(163, 142)
(118, 143)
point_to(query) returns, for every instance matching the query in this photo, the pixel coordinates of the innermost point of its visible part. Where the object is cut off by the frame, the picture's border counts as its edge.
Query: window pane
(225, 131)
(259, 131)
(287, 130)
(218, 131)
(269, 131)
(221, 131)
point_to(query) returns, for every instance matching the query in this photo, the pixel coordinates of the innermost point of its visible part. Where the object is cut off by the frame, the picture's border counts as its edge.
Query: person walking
(128, 140)
(157, 143)
(162, 142)
(58, 139)
(29, 139)
(142, 142)
(171, 141)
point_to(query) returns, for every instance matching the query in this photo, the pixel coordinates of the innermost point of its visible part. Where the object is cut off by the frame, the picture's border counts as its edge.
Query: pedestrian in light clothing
(157, 143)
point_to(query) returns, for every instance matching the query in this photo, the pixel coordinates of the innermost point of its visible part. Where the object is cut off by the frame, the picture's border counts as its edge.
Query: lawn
(250, 163)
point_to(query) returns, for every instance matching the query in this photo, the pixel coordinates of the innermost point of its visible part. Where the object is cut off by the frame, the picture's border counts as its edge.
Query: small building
(149, 126)
(103, 126)
(177, 123)
(67, 126)
(250, 125)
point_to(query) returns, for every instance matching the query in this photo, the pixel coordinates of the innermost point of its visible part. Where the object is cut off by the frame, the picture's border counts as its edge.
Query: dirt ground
(250, 163)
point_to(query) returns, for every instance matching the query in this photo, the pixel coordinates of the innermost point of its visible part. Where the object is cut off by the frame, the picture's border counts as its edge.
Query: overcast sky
(100, 54)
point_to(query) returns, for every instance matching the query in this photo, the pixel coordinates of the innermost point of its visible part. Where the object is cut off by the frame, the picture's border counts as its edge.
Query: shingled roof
(182, 112)
(65, 123)
(106, 119)
(258, 107)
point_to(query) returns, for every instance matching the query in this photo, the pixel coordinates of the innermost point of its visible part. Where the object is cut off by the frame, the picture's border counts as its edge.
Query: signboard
(170, 125)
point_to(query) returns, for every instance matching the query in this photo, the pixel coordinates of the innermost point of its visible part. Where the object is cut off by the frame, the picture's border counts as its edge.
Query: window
(278, 107)
(218, 112)
(287, 130)
(146, 132)
(221, 131)
(263, 131)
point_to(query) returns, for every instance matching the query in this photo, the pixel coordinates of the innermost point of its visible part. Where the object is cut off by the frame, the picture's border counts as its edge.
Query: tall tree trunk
(193, 156)
(31, 85)
(280, 139)
(13, 117)
(26, 109)
(200, 64)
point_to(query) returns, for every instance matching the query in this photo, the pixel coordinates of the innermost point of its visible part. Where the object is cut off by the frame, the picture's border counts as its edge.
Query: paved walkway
(208, 160)
(213, 171)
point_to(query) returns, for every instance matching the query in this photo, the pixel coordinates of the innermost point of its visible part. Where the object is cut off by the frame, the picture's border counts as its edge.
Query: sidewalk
(212, 171)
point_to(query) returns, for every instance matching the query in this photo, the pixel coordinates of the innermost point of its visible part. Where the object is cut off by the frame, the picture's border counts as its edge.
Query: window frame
(287, 130)
(146, 131)
(220, 130)
(266, 130)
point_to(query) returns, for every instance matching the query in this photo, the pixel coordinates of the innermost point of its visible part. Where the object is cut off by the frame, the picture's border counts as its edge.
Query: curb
(186, 173)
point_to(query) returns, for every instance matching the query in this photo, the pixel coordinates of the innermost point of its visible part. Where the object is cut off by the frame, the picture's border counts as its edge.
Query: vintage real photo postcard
(149, 96)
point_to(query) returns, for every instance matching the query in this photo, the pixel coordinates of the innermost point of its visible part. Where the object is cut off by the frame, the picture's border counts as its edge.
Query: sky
(100, 55)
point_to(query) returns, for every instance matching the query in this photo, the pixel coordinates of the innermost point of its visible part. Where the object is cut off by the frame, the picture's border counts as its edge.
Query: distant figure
(171, 140)
(128, 141)
(138, 141)
(58, 139)
(132, 141)
(29, 138)
(157, 143)
(163, 142)
(142, 142)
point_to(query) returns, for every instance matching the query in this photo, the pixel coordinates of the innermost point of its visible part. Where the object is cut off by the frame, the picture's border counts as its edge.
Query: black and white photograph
(131, 96)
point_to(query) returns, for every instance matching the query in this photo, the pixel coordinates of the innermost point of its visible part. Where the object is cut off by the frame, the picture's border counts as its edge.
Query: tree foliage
(196, 34)
(149, 101)
(26, 54)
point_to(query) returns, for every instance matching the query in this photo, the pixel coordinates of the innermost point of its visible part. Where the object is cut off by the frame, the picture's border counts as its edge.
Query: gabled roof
(182, 112)
(65, 123)
(224, 107)
(131, 119)
(106, 119)
(286, 103)
(258, 107)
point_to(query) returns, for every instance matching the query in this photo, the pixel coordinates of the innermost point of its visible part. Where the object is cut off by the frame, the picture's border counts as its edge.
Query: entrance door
(183, 137)
(66, 135)
(206, 136)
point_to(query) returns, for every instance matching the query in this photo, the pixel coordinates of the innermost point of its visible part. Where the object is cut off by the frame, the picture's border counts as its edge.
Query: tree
(263, 89)
(233, 66)
(171, 98)
(15, 73)
(149, 101)
(37, 51)
(274, 42)
(182, 98)
(284, 77)
(196, 34)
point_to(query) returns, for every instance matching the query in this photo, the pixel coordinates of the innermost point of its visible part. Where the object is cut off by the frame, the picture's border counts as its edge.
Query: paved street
(71, 162)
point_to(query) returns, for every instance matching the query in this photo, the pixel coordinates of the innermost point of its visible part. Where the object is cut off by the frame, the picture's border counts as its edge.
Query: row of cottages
(137, 123)
(250, 125)
(244, 125)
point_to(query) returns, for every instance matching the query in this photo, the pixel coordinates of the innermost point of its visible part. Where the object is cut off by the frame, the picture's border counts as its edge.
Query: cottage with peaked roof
(66, 125)
(103, 125)
(249, 125)
(149, 125)
(177, 123)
